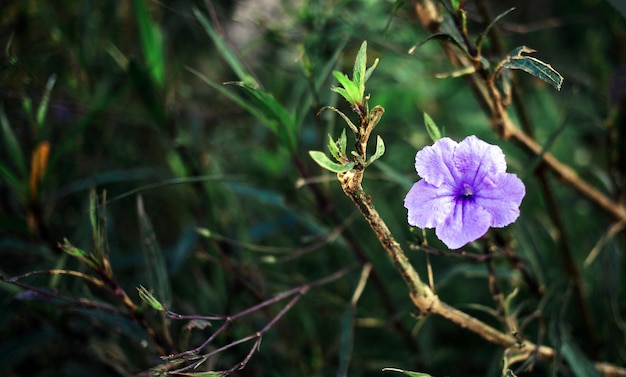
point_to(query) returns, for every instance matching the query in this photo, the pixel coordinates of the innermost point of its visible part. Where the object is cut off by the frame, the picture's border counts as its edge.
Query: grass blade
(157, 269)
(13, 148)
(151, 43)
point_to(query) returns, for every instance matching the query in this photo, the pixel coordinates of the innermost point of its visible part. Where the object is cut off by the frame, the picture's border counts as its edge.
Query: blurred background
(207, 110)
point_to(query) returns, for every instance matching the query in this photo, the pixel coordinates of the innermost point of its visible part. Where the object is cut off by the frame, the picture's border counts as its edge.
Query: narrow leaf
(273, 110)
(352, 94)
(12, 180)
(380, 150)
(444, 37)
(342, 143)
(11, 145)
(325, 162)
(151, 43)
(85, 257)
(533, 66)
(406, 372)
(72, 250)
(431, 128)
(369, 71)
(333, 148)
(483, 35)
(157, 270)
(344, 116)
(42, 109)
(360, 64)
(263, 118)
(579, 363)
(224, 50)
(342, 92)
(149, 299)
(346, 341)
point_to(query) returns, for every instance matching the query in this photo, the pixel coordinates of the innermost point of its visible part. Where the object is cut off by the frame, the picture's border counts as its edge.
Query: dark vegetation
(126, 162)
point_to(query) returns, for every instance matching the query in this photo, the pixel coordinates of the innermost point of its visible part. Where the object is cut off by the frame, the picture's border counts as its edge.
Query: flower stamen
(467, 190)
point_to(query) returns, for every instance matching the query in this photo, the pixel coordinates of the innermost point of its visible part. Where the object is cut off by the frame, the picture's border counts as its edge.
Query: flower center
(467, 190)
(466, 193)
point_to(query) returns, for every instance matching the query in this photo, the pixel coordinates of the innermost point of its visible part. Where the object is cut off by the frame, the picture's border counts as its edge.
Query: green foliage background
(138, 107)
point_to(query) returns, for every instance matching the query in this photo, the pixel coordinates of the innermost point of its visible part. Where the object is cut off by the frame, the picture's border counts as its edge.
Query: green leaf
(149, 299)
(333, 148)
(226, 53)
(369, 71)
(360, 63)
(72, 250)
(263, 118)
(155, 262)
(338, 148)
(406, 372)
(346, 341)
(431, 128)
(285, 123)
(380, 150)
(483, 35)
(325, 162)
(351, 90)
(263, 107)
(455, 4)
(204, 232)
(85, 257)
(577, 360)
(151, 43)
(344, 116)
(13, 180)
(533, 66)
(342, 142)
(450, 34)
(42, 109)
(11, 145)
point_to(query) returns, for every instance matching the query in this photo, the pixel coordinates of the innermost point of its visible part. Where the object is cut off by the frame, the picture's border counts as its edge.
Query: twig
(197, 358)
(424, 298)
(504, 127)
(325, 206)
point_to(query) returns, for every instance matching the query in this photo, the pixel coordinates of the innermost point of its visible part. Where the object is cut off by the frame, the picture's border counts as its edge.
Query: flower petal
(475, 160)
(435, 163)
(428, 205)
(468, 222)
(501, 198)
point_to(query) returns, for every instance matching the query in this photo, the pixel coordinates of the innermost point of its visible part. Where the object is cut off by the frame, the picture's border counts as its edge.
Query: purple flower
(465, 190)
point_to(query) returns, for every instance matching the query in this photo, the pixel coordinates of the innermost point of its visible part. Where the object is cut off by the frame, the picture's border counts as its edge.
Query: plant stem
(325, 207)
(548, 194)
(425, 299)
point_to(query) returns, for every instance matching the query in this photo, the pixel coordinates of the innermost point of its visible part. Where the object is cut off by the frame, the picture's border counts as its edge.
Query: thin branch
(95, 281)
(424, 298)
(194, 354)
